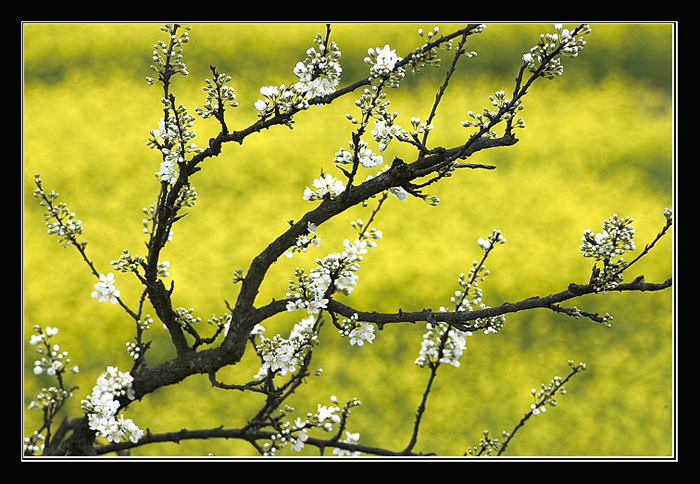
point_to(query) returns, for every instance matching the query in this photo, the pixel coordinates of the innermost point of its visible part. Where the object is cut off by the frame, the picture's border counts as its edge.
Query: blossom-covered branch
(542, 399)
(460, 319)
(340, 447)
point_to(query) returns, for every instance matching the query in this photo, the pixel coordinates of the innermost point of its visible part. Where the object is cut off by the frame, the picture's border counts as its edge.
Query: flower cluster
(359, 332)
(34, 443)
(495, 238)
(131, 263)
(326, 186)
(221, 321)
(280, 355)
(105, 290)
(49, 399)
(53, 361)
(127, 262)
(319, 75)
(335, 272)
(487, 445)
(168, 57)
(419, 127)
(102, 405)
(65, 225)
(238, 276)
(385, 130)
(469, 295)
(362, 153)
(296, 433)
(441, 344)
(372, 104)
(383, 62)
(425, 55)
(545, 396)
(488, 118)
(324, 418)
(187, 196)
(219, 95)
(279, 100)
(306, 293)
(350, 437)
(616, 238)
(173, 138)
(562, 39)
(304, 240)
(445, 344)
(184, 317)
(145, 323)
(133, 350)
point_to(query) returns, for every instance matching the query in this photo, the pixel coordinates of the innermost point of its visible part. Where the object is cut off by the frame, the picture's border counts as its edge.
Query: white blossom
(52, 360)
(283, 355)
(351, 438)
(386, 58)
(384, 130)
(298, 441)
(319, 74)
(452, 349)
(279, 356)
(218, 96)
(269, 91)
(105, 290)
(365, 156)
(327, 414)
(102, 405)
(383, 62)
(260, 105)
(537, 410)
(168, 172)
(361, 333)
(325, 186)
(612, 242)
(303, 241)
(563, 40)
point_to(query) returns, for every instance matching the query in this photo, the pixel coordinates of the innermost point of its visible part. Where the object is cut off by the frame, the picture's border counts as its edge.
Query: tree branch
(283, 118)
(354, 195)
(250, 435)
(459, 319)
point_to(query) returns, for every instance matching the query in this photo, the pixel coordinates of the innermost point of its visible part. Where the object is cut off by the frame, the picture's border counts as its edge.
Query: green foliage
(598, 141)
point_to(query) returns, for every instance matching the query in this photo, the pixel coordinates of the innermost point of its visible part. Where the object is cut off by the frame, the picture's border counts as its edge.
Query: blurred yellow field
(598, 141)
